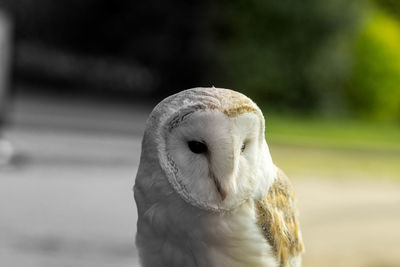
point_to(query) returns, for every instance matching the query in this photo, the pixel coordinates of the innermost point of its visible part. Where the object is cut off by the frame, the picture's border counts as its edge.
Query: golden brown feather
(277, 217)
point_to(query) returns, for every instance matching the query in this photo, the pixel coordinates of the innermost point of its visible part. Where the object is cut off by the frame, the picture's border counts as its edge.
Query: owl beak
(221, 191)
(223, 162)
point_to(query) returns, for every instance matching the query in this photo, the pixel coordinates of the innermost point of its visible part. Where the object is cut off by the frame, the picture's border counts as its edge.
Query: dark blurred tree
(63, 23)
(163, 36)
(284, 53)
(287, 53)
(390, 6)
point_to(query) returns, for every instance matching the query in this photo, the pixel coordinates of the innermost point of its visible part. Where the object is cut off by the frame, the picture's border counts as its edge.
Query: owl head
(211, 147)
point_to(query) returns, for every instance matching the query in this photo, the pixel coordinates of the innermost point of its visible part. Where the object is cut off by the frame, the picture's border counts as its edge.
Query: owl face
(214, 158)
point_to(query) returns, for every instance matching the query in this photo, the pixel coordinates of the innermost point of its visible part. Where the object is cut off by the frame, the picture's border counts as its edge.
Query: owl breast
(236, 241)
(212, 240)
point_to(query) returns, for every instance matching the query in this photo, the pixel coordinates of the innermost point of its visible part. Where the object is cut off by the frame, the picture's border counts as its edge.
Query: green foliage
(374, 88)
(287, 53)
(337, 148)
(314, 131)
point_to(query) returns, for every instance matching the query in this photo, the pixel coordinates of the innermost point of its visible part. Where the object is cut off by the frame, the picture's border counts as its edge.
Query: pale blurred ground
(68, 200)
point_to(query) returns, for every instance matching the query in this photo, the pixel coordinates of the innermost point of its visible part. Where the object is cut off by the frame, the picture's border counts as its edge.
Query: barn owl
(207, 191)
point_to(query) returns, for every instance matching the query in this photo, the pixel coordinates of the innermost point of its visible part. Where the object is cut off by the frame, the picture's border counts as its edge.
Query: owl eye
(197, 147)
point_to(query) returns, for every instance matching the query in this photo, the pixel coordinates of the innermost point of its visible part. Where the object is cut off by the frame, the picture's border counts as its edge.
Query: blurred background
(79, 78)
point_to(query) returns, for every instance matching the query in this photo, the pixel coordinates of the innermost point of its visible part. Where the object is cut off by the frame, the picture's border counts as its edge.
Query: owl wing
(277, 218)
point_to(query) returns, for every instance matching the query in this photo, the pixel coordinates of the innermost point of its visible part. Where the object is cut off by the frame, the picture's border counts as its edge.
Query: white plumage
(207, 192)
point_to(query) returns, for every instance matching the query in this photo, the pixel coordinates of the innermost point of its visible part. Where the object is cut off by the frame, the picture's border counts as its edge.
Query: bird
(207, 191)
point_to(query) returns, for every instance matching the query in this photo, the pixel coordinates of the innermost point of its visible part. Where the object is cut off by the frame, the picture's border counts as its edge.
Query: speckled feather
(277, 218)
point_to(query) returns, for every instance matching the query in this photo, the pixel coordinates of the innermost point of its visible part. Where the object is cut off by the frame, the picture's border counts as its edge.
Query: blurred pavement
(67, 201)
